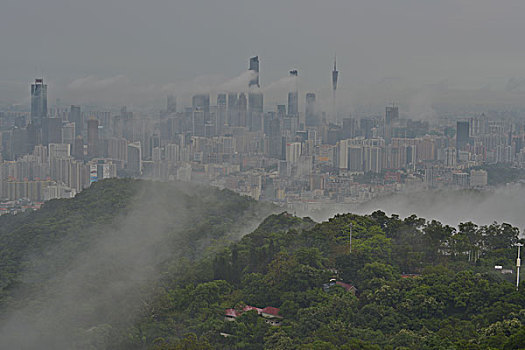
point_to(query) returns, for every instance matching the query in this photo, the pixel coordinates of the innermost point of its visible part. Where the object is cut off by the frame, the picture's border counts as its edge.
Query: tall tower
(310, 114)
(293, 97)
(38, 102)
(171, 105)
(335, 75)
(93, 145)
(254, 66)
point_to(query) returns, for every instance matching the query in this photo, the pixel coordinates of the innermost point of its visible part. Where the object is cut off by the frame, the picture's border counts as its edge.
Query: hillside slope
(76, 270)
(402, 284)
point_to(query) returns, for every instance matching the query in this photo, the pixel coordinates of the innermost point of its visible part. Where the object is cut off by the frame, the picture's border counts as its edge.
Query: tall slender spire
(335, 74)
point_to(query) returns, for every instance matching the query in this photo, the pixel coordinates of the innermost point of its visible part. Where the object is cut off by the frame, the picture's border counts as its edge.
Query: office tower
(75, 116)
(51, 130)
(462, 135)
(59, 150)
(293, 97)
(117, 149)
(335, 75)
(275, 148)
(349, 128)
(391, 114)
(134, 163)
(281, 111)
(355, 158)
(78, 147)
(293, 152)
(222, 113)
(255, 113)
(366, 125)
(201, 102)
(293, 104)
(221, 100)
(254, 66)
(171, 105)
(198, 123)
(92, 137)
(233, 114)
(242, 108)
(38, 102)
(310, 113)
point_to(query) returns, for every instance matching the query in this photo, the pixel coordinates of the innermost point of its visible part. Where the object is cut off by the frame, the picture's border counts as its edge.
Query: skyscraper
(255, 105)
(462, 135)
(171, 106)
(391, 114)
(38, 102)
(242, 107)
(293, 97)
(233, 112)
(51, 131)
(75, 116)
(310, 114)
(293, 103)
(201, 102)
(254, 66)
(92, 137)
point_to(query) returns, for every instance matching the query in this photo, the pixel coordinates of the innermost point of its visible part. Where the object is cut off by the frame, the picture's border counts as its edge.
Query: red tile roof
(271, 311)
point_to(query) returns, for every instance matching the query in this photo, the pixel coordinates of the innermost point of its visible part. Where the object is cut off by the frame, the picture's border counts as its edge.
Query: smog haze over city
(292, 174)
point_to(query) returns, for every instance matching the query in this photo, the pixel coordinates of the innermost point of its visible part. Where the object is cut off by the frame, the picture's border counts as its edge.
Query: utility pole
(518, 264)
(351, 227)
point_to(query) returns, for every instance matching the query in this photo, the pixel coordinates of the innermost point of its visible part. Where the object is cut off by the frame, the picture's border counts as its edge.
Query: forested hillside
(77, 271)
(144, 265)
(419, 285)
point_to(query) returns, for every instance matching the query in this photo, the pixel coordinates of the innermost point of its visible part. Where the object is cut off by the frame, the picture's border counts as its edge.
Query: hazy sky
(150, 47)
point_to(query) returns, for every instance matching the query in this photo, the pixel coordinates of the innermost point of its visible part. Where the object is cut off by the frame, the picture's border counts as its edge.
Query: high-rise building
(310, 113)
(92, 137)
(293, 103)
(171, 105)
(198, 123)
(221, 100)
(68, 133)
(233, 113)
(242, 108)
(281, 111)
(254, 66)
(293, 152)
(75, 116)
(255, 113)
(349, 128)
(391, 114)
(134, 163)
(293, 97)
(201, 102)
(222, 112)
(51, 130)
(462, 134)
(38, 102)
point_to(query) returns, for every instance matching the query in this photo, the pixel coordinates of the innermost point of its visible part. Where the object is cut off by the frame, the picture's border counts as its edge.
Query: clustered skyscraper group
(283, 154)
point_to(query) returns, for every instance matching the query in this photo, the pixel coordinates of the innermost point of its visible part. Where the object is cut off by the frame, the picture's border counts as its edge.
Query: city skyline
(85, 66)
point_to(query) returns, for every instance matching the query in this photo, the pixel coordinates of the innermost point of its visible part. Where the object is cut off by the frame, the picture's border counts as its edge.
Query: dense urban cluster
(299, 158)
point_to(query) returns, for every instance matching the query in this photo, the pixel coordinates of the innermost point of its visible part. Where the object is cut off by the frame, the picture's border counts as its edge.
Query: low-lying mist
(502, 204)
(107, 281)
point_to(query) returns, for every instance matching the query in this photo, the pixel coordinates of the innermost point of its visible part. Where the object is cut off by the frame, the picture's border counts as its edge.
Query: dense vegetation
(421, 285)
(82, 259)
